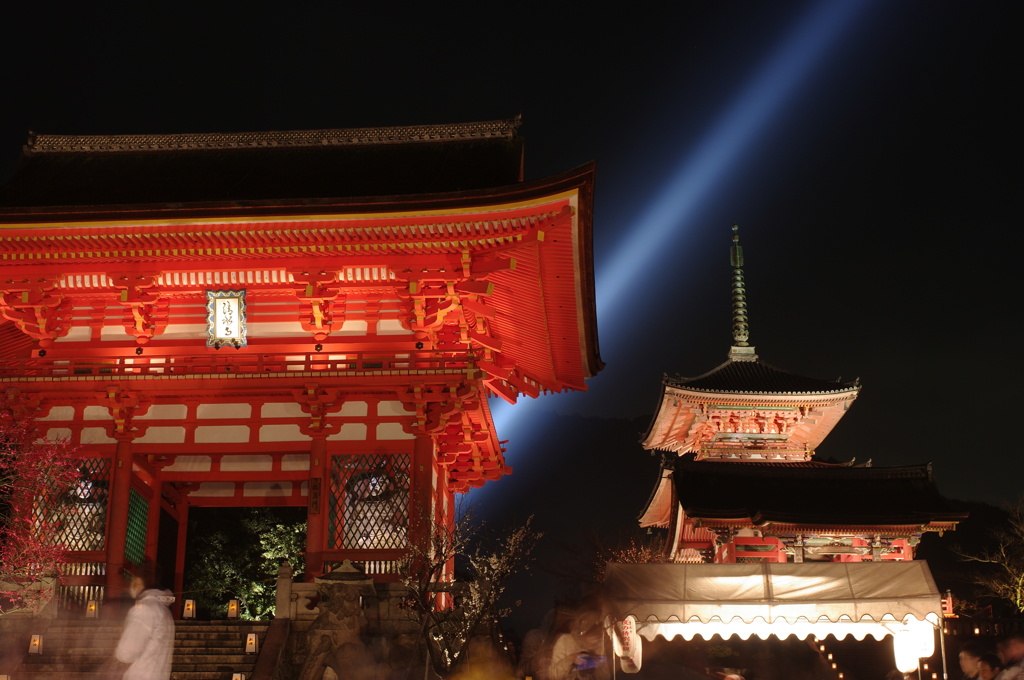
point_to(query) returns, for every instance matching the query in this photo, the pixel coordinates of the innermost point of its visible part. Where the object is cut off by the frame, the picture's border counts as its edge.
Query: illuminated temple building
(740, 482)
(311, 319)
(762, 539)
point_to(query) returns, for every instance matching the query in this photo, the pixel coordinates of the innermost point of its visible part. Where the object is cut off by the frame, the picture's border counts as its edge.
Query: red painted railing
(231, 362)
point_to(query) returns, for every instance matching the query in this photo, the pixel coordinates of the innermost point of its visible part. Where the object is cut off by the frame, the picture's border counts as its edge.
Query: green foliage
(236, 552)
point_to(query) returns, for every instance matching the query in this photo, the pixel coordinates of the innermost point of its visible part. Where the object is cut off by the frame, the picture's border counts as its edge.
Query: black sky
(879, 209)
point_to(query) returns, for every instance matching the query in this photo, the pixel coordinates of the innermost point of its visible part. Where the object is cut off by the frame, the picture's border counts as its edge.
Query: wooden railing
(229, 362)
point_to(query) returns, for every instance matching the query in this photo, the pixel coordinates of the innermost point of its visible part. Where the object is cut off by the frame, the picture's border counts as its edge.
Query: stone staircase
(203, 650)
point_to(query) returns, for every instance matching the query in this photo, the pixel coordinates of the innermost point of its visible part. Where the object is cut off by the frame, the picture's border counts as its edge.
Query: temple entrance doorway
(235, 552)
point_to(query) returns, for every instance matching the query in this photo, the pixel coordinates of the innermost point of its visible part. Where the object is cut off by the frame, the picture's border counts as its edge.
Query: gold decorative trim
(493, 129)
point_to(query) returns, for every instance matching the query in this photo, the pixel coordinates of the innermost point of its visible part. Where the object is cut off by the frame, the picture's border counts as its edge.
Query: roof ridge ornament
(741, 350)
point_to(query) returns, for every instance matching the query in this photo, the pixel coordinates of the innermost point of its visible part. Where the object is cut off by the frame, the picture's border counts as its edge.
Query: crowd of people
(1004, 662)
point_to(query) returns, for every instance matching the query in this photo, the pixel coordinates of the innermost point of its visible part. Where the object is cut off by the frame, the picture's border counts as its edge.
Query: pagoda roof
(809, 494)
(746, 376)
(62, 171)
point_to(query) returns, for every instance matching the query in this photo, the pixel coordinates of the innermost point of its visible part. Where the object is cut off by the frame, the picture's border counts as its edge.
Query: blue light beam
(693, 182)
(738, 127)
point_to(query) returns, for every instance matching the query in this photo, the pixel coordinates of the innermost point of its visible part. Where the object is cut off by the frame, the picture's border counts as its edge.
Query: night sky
(869, 151)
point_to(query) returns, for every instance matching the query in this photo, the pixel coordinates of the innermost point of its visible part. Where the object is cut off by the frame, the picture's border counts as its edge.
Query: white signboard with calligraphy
(225, 318)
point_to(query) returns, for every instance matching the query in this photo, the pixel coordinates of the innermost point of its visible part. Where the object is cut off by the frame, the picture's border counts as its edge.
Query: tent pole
(942, 650)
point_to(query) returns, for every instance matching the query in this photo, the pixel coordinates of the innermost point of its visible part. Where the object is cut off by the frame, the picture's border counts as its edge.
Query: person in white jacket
(147, 642)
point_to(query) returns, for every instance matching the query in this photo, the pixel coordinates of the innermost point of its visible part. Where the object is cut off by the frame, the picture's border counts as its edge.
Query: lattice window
(135, 542)
(369, 506)
(79, 513)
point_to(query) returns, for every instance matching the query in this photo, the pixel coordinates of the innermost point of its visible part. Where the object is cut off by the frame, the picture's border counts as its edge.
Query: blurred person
(989, 666)
(1011, 652)
(147, 642)
(970, 653)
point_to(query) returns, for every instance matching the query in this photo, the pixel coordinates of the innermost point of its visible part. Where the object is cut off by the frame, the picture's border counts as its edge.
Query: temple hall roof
(757, 377)
(810, 494)
(107, 170)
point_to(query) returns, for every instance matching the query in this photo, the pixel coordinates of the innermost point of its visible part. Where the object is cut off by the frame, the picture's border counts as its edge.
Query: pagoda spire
(741, 349)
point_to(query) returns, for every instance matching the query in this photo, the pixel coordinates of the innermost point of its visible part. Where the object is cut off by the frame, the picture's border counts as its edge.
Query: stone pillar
(283, 595)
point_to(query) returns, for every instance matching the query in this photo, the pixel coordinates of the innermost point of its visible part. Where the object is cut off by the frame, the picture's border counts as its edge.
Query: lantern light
(91, 609)
(238, 676)
(35, 645)
(252, 643)
(190, 610)
(232, 609)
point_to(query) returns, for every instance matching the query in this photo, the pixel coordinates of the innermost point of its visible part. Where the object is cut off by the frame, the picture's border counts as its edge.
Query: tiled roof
(107, 170)
(757, 377)
(810, 494)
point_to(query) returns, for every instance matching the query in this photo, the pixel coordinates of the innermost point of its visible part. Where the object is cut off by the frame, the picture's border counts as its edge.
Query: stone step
(203, 650)
(214, 658)
(213, 668)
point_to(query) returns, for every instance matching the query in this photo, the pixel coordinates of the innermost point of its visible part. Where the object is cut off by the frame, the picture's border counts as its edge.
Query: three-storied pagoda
(311, 319)
(739, 481)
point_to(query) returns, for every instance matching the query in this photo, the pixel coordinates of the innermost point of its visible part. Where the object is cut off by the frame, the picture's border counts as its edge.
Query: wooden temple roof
(757, 377)
(430, 227)
(810, 494)
(108, 170)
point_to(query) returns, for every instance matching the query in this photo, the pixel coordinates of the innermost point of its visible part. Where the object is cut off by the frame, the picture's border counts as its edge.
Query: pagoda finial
(741, 349)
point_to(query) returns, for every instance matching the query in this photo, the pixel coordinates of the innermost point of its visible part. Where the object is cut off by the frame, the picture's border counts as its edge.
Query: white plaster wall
(190, 464)
(58, 434)
(354, 409)
(295, 461)
(215, 490)
(392, 327)
(96, 413)
(281, 329)
(282, 409)
(96, 435)
(163, 435)
(212, 434)
(115, 333)
(392, 431)
(352, 327)
(392, 408)
(60, 413)
(350, 432)
(165, 412)
(76, 334)
(281, 433)
(244, 463)
(224, 411)
(267, 489)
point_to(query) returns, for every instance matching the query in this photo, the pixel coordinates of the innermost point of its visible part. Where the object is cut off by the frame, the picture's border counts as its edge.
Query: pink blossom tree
(36, 476)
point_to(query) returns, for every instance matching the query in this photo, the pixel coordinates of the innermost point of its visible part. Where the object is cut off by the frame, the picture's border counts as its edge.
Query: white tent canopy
(765, 599)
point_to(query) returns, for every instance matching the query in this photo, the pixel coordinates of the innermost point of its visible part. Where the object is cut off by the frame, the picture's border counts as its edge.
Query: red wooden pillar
(317, 507)
(179, 559)
(153, 521)
(117, 513)
(421, 506)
